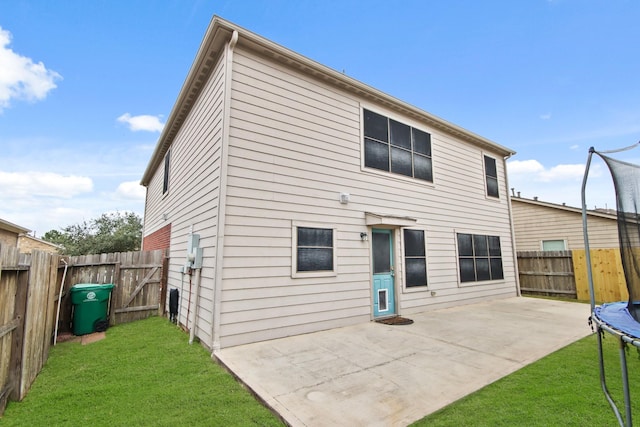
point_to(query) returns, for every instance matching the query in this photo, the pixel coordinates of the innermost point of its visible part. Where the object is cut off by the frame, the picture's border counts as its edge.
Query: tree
(112, 232)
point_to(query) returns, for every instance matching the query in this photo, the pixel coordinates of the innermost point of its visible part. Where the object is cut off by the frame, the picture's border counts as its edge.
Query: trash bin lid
(91, 287)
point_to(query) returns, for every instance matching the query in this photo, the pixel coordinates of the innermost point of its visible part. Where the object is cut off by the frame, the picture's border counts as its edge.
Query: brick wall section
(159, 239)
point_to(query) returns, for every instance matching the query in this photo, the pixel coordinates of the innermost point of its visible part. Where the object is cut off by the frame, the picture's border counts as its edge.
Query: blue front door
(384, 301)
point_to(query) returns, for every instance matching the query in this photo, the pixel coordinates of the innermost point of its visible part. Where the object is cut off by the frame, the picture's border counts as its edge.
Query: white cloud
(131, 190)
(546, 116)
(20, 77)
(23, 184)
(143, 122)
(574, 147)
(524, 166)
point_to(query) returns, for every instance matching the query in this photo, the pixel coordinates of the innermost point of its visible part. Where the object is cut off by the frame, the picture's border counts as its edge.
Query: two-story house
(318, 200)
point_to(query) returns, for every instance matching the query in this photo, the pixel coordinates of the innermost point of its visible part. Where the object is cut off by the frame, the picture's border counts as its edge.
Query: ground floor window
(554, 245)
(479, 257)
(415, 258)
(313, 250)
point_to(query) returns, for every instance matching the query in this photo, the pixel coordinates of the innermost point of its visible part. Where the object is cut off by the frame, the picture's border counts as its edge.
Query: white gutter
(222, 198)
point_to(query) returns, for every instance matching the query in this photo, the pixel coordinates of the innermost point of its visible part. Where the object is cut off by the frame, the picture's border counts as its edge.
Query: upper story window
(165, 182)
(397, 148)
(491, 176)
(479, 257)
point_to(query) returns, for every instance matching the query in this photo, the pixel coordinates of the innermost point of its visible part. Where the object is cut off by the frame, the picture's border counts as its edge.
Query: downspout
(513, 231)
(222, 200)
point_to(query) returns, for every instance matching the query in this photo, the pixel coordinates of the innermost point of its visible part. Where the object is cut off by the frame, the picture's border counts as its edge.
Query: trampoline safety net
(626, 181)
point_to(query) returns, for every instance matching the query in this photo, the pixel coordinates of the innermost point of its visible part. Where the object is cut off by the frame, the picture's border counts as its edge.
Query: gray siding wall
(295, 145)
(533, 224)
(192, 199)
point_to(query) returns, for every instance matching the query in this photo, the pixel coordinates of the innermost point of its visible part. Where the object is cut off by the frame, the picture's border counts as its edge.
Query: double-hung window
(396, 147)
(491, 176)
(313, 251)
(165, 181)
(479, 257)
(415, 258)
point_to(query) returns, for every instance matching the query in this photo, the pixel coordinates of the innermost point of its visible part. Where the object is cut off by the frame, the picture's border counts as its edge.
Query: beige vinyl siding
(295, 144)
(534, 223)
(192, 199)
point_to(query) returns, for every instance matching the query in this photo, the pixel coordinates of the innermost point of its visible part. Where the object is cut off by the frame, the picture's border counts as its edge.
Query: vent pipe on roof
(535, 198)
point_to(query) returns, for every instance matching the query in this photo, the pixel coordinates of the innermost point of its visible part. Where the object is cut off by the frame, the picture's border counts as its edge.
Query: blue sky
(85, 86)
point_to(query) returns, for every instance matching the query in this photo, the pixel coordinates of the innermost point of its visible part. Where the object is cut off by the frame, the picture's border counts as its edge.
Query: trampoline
(620, 319)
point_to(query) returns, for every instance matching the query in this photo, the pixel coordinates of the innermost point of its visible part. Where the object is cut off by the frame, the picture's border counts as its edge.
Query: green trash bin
(90, 307)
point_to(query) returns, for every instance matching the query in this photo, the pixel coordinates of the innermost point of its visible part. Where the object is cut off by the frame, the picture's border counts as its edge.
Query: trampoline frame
(623, 338)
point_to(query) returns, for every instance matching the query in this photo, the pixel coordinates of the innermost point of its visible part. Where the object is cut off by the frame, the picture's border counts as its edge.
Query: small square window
(313, 251)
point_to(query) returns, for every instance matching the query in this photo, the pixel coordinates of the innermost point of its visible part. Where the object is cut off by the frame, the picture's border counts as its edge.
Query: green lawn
(143, 374)
(562, 389)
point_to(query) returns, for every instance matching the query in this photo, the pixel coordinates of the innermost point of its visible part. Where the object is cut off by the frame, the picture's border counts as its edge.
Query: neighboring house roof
(220, 32)
(14, 228)
(595, 213)
(27, 243)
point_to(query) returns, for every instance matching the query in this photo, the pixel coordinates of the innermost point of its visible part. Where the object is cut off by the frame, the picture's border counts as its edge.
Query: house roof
(14, 228)
(563, 207)
(216, 37)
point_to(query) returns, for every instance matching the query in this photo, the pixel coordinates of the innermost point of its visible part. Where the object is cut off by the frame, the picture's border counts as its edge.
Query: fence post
(163, 285)
(17, 341)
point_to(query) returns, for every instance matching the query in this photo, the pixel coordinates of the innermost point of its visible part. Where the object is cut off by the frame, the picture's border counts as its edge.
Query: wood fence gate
(31, 287)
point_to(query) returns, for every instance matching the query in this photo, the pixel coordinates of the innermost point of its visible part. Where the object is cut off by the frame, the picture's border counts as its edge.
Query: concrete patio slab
(381, 375)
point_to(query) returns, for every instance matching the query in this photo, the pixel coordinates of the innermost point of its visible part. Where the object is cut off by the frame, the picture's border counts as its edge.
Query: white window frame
(389, 174)
(564, 241)
(484, 174)
(294, 251)
(405, 288)
(462, 284)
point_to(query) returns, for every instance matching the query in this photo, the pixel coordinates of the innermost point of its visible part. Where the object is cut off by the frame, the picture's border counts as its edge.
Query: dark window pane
(421, 142)
(490, 167)
(167, 162)
(416, 272)
(315, 237)
(496, 269)
(376, 155)
(480, 245)
(494, 246)
(492, 187)
(422, 168)
(465, 245)
(400, 134)
(467, 270)
(401, 161)
(482, 269)
(381, 253)
(376, 126)
(315, 259)
(414, 243)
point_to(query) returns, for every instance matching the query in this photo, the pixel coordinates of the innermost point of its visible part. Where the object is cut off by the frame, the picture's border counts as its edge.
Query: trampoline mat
(617, 316)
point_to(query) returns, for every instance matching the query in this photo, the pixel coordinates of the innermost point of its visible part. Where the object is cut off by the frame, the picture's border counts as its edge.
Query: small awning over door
(382, 219)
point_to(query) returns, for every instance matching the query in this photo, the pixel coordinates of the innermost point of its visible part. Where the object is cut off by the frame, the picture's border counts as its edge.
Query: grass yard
(143, 374)
(562, 389)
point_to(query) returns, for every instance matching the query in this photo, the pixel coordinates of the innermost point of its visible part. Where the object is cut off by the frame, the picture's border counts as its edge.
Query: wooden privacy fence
(564, 273)
(27, 313)
(137, 276)
(30, 288)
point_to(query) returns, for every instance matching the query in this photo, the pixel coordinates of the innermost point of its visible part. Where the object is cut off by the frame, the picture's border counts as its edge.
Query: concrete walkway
(379, 375)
